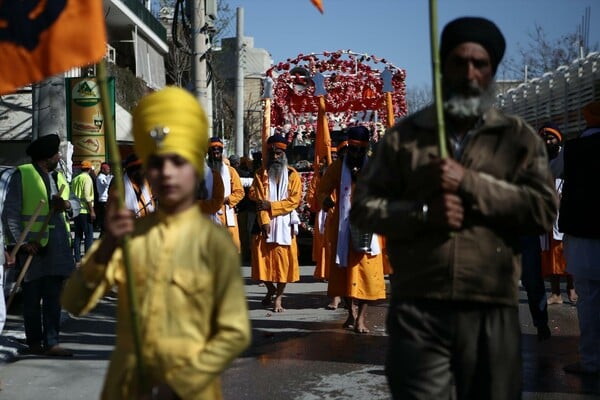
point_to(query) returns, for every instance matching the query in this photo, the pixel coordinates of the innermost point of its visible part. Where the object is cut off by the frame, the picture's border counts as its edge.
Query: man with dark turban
(553, 264)
(277, 191)
(52, 255)
(233, 192)
(193, 313)
(452, 227)
(356, 269)
(138, 193)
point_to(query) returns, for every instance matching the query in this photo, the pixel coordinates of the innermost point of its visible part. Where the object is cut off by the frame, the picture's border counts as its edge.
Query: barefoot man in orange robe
(277, 192)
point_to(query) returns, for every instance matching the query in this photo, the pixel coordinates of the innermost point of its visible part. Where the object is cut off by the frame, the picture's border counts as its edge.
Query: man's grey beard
(276, 168)
(215, 164)
(463, 106)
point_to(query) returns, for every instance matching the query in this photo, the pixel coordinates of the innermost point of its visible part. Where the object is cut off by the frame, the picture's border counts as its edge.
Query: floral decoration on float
(353, 83)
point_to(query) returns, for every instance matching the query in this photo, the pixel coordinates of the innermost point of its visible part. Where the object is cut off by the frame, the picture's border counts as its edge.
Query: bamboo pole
(25, 232)
(38, 239)
(437, 80)
(266, 128)
(110, 138)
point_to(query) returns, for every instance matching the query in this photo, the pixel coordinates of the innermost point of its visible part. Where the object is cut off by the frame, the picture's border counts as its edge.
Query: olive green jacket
(507, 192)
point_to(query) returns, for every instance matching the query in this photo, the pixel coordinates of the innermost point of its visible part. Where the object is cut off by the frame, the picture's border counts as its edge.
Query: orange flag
(389, 105)
(323, 140)
(318, 4)
(43, 38)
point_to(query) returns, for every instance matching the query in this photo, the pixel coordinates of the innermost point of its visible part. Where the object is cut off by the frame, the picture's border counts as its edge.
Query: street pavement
(302, 353)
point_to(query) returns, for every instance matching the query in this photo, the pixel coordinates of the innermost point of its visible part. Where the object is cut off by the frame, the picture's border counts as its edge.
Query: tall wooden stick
(266, 128)
(266, 97)
(437, 80)
(110, 138)
(25, 232)
(38, 239)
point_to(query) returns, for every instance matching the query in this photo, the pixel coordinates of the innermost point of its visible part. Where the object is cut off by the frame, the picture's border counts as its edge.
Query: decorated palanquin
(352, 82)
(307, 96)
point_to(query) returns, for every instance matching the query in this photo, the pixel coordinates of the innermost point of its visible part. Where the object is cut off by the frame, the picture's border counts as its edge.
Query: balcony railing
(146, 16)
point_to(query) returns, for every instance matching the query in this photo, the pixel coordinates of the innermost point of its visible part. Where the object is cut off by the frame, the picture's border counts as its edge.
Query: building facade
(557, 96)
(136, 48)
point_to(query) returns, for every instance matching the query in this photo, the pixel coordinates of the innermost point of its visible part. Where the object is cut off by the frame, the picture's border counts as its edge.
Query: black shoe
(543, 333)
(34, 350)
(58, 351)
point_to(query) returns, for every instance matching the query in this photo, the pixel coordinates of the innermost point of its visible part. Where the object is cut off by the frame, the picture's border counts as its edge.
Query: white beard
(470, 106)
(276, 169)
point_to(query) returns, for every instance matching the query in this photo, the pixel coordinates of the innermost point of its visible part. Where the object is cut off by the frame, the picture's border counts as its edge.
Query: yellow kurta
(363, 278)
(273, 262)
(192, 307)
(236, 195)
(214, 204)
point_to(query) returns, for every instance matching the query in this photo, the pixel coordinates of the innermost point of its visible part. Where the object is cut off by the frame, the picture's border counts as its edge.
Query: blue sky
(398, 30)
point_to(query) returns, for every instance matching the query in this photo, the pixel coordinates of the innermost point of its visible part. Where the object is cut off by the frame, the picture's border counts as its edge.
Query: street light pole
(239, 87)
(199, 59)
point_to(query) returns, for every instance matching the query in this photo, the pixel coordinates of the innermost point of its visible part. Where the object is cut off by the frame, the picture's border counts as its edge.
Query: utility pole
(199, 59)
(239, 84)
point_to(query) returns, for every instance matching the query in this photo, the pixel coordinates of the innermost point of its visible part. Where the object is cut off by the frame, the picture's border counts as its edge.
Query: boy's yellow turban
(171, 121)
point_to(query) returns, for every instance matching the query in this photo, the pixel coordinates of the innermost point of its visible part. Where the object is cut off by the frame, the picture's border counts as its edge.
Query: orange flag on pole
(43, 38)
(323, 140)
(318, 4)
(389, 106)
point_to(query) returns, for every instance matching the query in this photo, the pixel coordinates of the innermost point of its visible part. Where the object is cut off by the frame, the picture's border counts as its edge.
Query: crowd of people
(455, 235)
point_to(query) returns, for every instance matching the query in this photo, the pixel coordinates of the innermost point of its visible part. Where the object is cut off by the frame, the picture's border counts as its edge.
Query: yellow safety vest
(33, 190)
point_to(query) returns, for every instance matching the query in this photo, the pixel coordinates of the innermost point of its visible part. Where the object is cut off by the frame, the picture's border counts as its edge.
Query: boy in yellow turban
(193, 313)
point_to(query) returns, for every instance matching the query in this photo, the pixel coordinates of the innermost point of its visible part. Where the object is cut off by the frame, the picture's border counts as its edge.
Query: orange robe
(363, 278)
(236, 195)
(553, 261)
(272, 262)
(319, 244)
(212, 205)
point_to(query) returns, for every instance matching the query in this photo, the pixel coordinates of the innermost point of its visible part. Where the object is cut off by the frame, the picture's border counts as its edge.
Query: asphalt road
(303, 353)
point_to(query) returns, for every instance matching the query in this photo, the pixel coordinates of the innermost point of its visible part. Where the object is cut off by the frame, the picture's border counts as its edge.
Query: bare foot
(335, 303)
(361, 329)
(278, 307)
(573, 297)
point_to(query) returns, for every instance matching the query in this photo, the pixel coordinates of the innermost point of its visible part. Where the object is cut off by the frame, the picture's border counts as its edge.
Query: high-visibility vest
(34, 189)
(77, 184)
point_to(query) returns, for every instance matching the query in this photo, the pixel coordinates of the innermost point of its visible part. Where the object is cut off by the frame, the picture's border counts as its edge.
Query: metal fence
(557, 96)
